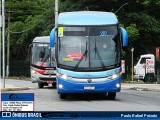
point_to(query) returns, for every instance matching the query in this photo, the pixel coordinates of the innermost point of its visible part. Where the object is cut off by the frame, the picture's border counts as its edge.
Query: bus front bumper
(64, 86)
(43, 78)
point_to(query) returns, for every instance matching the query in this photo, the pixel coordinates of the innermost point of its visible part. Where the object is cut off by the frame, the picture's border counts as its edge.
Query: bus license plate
(89, 87)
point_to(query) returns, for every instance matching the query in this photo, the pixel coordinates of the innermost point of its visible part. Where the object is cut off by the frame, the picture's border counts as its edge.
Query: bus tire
(63, 95)
(111, 95)
(40, 85)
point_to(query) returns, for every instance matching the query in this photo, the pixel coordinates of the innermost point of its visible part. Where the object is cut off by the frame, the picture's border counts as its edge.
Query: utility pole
(3, 40)
(56, 12)
(132, 50)
(8, 45)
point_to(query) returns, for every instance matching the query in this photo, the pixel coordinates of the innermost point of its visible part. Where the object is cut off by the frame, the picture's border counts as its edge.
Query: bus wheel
(63, 96)
(40, 84)
(111, 95)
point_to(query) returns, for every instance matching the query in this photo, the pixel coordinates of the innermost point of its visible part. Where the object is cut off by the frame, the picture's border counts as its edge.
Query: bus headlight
(114, 76)
(63, 76)
(37, 71)
(60, 86)
(34, 72)
(118, 85)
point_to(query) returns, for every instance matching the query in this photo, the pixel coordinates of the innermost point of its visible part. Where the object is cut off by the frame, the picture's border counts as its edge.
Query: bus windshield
(41, 55)
(88, 48)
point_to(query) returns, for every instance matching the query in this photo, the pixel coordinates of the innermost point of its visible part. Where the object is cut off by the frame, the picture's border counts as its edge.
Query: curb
(13, 89)
(144, 89)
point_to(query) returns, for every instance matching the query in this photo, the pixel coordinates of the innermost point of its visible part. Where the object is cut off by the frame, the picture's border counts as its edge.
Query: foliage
(31, 18)
(28, 19)
(133, 32)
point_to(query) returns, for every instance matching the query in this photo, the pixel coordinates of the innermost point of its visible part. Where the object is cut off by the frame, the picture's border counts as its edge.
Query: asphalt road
(47, 99)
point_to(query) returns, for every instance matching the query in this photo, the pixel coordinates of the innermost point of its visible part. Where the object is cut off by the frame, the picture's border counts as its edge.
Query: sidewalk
(9, 87)
(141, 86)
(133, 86)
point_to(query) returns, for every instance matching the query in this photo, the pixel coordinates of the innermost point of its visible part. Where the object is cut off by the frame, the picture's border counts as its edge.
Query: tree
(28, 20)
(36, 17)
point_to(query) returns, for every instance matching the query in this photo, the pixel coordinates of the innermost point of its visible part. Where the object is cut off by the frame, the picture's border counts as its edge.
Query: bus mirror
(124, 37)
(52, 37)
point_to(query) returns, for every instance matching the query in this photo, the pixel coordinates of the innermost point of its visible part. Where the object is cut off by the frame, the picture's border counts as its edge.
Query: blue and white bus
(88, 52)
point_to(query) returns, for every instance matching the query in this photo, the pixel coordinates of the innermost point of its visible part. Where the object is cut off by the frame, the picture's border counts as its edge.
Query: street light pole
(132, 50)
(8, 45)
(3, 40)
(56, 12)
(121, 7)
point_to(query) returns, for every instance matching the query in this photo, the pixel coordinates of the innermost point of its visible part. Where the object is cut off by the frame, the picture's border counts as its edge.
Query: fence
(19, 68)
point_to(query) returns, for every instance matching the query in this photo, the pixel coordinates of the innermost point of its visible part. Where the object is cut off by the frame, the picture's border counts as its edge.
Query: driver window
(143, 61)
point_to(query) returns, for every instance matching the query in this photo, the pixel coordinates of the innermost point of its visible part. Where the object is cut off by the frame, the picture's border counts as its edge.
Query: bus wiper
(95, 48)
(84, 55)
(45, 59)
(96, 51)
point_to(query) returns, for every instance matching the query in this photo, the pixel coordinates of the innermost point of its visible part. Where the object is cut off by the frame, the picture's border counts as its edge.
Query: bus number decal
(103, 33)
(68, 59)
